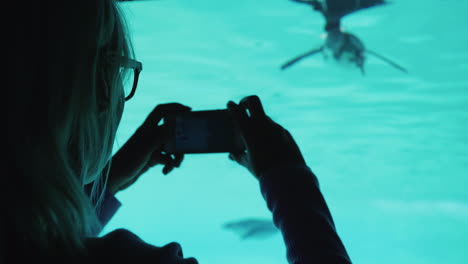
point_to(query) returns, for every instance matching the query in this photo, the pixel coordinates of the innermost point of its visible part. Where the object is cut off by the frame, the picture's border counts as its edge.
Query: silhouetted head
(65, 104)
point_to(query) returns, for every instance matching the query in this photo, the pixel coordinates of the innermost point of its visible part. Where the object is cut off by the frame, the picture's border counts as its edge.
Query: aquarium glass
(389, 148)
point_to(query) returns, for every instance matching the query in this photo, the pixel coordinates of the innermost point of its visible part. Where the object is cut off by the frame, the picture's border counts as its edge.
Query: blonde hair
(65, 105)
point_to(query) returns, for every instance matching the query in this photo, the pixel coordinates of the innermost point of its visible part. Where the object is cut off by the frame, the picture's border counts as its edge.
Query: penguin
(344, 47)
(252, 228)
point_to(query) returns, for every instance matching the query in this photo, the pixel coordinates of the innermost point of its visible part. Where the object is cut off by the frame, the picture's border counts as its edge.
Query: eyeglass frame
(137, 68)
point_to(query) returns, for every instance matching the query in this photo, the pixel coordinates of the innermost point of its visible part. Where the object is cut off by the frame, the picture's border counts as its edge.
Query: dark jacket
(299, 210)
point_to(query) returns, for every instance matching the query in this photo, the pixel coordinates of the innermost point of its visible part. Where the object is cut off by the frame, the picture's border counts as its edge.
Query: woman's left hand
(144, 150)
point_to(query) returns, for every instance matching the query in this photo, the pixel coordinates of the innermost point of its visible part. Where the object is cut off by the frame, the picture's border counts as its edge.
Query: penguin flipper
(336, 9)
(387, 60)
(362, 4)
(317, 5)
(300, 57)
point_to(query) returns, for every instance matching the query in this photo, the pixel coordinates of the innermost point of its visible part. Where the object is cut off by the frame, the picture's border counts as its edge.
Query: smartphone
(210, 131)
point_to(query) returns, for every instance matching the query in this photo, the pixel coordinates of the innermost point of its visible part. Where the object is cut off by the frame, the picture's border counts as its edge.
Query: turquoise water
(390, 149)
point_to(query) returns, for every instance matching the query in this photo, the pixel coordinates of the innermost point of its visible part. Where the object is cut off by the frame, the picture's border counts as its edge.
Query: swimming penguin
(344, 47)
(252, 228)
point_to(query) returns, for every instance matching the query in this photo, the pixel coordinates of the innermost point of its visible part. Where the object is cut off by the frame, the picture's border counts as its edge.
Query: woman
(65, 103)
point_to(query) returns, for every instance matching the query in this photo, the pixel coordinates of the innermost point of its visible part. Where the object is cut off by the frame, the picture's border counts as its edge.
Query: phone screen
(210, 131)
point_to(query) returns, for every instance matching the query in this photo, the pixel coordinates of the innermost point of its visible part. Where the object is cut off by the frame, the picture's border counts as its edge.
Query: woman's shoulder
(118, 235)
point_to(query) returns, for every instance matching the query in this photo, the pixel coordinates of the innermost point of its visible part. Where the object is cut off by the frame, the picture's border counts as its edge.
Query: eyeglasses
(130, 80)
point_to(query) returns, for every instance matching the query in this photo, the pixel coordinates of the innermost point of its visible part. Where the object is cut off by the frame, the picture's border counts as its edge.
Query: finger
(239, 158)
(254, 105)
(173, 160)
(160, 158)
(241, 121)
(162, 110)
(178, 158)
(167, 169)
(156, 136)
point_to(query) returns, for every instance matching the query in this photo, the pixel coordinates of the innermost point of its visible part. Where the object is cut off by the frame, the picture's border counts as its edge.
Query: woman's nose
(174, 249)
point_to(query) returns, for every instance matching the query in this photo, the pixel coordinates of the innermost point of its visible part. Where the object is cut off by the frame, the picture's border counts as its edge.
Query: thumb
(239, 158)
(231, 157)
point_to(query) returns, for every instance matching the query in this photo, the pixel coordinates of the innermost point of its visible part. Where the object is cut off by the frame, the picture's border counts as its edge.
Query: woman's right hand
(267, 143)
